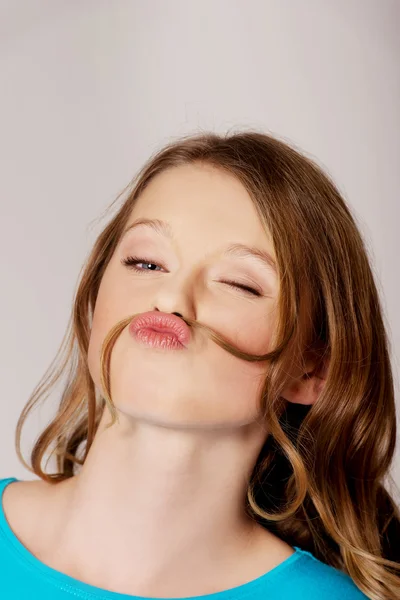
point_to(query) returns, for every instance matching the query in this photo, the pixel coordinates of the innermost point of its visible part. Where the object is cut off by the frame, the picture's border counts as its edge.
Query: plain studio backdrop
(90, 88)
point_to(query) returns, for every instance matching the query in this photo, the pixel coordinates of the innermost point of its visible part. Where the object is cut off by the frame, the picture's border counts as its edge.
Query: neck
(154, 504)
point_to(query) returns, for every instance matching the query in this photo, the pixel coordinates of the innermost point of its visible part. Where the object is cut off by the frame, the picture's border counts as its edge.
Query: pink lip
(160, 329)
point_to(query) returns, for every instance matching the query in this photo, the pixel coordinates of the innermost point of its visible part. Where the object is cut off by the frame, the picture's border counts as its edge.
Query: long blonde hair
(319, 481)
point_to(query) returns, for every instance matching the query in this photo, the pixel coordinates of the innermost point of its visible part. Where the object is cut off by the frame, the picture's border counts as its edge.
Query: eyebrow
(236, 249)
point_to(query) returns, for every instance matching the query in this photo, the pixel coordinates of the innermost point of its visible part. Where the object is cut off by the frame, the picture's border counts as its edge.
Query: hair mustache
(117, 329)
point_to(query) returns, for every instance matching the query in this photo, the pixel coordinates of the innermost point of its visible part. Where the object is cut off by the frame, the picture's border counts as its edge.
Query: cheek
(103, 320)
(240, 382)
(253, 332)
(105, 317)
(96, 338)
(238, 376)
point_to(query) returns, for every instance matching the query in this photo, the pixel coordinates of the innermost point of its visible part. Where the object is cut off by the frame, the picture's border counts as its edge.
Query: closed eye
(241, 286)
(132, 262)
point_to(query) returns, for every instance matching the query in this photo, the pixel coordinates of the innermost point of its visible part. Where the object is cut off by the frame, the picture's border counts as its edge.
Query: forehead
(201, 200)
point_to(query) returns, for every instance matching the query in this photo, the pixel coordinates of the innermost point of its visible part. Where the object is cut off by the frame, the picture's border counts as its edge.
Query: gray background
(90, 88)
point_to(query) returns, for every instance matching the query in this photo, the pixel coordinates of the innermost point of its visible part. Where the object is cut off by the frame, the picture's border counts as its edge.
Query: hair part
(336, 507)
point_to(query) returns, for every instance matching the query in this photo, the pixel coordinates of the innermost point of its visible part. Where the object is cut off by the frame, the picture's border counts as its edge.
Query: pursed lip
(163, 322)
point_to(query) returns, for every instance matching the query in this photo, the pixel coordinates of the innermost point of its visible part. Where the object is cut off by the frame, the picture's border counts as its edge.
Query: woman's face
(206, 210)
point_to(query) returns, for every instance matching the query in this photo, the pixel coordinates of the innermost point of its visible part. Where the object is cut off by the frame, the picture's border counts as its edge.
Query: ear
(307, 387)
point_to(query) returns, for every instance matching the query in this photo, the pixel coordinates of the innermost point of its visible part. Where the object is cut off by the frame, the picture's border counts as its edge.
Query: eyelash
(131, 261)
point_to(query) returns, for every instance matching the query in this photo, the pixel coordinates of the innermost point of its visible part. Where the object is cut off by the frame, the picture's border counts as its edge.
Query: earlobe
(307, 389)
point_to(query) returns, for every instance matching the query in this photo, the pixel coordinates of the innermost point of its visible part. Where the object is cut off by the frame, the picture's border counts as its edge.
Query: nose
(178, 295)
(178, 314)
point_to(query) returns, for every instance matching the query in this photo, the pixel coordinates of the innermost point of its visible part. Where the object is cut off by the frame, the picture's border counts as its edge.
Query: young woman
(228, 321)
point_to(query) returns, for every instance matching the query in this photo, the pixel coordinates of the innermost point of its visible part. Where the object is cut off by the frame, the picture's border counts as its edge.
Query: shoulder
(17, 492)
(317, 579)
(16, 496)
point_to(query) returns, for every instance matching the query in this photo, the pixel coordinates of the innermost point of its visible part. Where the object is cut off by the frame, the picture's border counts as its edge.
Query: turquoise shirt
(301, 575)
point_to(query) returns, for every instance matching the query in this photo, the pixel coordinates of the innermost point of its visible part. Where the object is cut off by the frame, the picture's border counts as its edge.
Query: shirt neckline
(89, 592)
